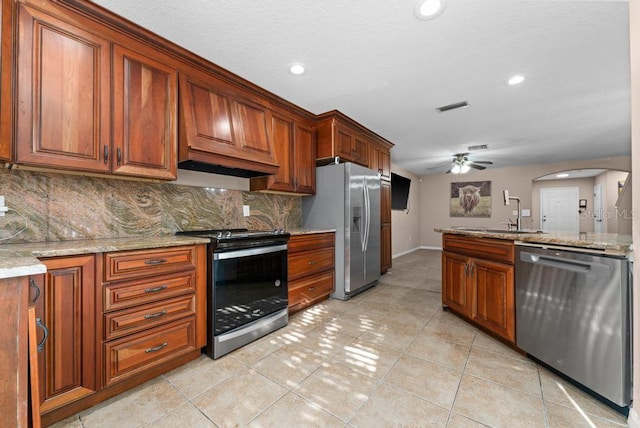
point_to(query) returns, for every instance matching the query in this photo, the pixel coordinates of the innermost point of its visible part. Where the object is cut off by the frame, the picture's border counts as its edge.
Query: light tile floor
(388, 357)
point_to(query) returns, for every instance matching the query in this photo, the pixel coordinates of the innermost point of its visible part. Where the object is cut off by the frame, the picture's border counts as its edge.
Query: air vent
(453, 106)
(478, 147)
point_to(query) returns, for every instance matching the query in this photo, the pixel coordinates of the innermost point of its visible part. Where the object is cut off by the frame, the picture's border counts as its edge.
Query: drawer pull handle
(312, 288)
(155, 289)
(156, 315)
(46, 334)
(155, 262)
(312, 262)
(155, 348)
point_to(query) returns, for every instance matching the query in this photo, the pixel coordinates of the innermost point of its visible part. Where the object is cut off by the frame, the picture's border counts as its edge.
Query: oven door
(248, 284)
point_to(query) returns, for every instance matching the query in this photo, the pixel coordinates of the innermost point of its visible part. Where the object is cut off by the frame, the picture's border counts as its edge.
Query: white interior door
(559, 209)
(598, 222)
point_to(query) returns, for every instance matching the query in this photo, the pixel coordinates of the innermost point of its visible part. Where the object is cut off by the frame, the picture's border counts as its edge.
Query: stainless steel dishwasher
(573, 314)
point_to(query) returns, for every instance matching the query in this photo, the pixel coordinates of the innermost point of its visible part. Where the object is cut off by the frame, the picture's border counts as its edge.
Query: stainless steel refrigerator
(348, 199)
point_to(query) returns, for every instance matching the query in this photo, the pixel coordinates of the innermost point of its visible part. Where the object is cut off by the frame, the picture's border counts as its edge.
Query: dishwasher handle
(578, 266)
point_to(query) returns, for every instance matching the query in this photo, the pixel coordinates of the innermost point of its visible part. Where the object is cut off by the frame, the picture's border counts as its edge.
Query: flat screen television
(399, 191)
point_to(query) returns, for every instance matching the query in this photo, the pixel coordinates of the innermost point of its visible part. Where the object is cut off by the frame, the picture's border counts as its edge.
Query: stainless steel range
(247, 286)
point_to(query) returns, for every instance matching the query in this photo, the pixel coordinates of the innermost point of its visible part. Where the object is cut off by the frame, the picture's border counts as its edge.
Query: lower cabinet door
(493, 303)
(454, 279)
(66, 307)
(132, 354)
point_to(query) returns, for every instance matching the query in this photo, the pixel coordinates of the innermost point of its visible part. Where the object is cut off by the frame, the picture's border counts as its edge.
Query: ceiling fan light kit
(462, 164)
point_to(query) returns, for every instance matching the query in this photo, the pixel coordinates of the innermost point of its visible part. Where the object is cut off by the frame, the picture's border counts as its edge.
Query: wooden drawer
(128, 321)
(310, 241)
(497, 250)
(309, 289)
(134, 264)
(128, 294)
(133, 354)
(309, 262)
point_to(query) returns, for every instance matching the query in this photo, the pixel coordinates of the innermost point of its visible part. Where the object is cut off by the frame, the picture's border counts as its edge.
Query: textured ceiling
(374, 61)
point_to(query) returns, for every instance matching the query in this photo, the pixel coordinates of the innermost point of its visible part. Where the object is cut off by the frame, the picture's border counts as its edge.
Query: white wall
(405, 224)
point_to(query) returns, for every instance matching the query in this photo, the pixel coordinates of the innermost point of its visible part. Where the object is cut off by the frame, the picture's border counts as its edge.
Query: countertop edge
(22, 259)
(613, 244)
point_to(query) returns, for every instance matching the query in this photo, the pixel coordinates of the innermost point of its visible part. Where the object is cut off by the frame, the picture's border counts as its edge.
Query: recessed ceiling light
(429, 9)
(515, 80)
(563, 175)
(297, 69)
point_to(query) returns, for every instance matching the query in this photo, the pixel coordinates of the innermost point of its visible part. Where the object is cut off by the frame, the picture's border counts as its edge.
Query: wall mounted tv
(399, 191)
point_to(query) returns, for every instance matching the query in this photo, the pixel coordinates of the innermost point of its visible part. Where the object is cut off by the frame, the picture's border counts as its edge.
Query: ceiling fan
(461, 164)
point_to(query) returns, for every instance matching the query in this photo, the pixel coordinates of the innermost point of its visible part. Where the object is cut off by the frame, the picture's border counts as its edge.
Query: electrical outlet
(245, 211)
(514, 212)
(526, 213)
(3, 208)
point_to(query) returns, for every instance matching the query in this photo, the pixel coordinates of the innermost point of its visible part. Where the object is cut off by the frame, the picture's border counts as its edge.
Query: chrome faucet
(507, 199)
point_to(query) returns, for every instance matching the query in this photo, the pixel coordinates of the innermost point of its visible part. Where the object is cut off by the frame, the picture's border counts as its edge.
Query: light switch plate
(514, 212)
(245, 211)
(526, 213)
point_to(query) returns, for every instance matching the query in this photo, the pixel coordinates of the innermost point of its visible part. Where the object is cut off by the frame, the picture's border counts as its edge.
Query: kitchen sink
(489, 230)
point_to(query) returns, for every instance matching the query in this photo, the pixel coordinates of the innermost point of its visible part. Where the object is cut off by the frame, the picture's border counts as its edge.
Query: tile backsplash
(55, 207)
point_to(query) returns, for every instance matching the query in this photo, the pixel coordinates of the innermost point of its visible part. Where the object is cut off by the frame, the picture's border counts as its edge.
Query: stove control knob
(227, 234)
(219, 235)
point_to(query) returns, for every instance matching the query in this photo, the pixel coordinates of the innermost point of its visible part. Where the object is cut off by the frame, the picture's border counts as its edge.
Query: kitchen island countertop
(21, 259)
(609, 243)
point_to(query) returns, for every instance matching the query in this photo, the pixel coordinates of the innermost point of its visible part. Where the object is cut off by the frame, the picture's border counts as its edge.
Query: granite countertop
(21, 259)
(610, 243)
(309, 231)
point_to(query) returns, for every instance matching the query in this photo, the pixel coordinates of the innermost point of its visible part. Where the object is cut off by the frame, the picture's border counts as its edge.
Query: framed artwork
(470, 199)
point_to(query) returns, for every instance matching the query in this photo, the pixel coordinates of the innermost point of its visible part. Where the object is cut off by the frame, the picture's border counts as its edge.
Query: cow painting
(471, 199)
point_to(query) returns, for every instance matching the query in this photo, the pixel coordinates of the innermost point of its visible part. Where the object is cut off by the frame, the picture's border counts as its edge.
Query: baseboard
(404, 253)
(430, 248)
(633, 421)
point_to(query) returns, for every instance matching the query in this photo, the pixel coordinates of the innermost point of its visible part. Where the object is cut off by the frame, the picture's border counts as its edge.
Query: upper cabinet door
(206, 116)
(282, 132)
(344, 143)
(304, 159)
(251, 130)
(145, 111)
(62, 94)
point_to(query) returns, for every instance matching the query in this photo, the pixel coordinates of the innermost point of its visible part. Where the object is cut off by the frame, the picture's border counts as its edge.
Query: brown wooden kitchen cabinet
(478, 282)
(223, 125)
(311, 274)
(153, 308)
(385, 226)
(145, 113)
(65, 94)
(66, 305)
(6, 66)
(294, 145)
(380, 160)
(115, 321)
(339, 136)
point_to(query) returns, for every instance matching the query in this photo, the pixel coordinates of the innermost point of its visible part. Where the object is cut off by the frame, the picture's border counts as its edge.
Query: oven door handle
(234, 254)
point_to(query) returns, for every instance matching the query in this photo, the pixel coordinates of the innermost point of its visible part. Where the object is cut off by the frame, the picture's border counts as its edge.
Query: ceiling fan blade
(473, 165)
(449, 170)
(484, 162)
